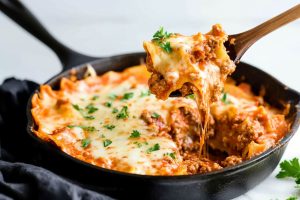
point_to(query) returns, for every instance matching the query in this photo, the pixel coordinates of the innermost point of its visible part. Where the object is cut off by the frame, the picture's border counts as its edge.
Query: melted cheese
(124, 153)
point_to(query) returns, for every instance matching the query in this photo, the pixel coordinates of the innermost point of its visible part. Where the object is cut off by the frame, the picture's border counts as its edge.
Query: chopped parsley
(224, 98)
(115, 110)
(85, 142)
(89, 117)
(107, 142)
(135, 134)
(108, 104)
(123, 114)
(155, 147)
(172, 155)
(112, 96)
(166, 47)
(91, 108)
(127, 96)
(292, 198)
(138, 144)
(190, 96)
(86, 128)
(76, 107)
(155, 115)
(160, 37)
(145, 93)
(95, 97)
(109, 127)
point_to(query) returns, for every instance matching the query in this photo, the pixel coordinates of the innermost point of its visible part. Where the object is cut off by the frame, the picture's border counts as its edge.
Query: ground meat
(231, 161)
(157, 123)
(197, 165)
(158, 85)
(184, 128)
(234, 131)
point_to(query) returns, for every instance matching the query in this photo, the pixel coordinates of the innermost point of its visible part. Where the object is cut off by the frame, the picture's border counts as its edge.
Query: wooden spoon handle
(243, 41)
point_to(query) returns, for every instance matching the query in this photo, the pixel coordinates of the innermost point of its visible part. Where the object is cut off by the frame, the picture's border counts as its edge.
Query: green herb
(85, 143)
(166, 47)
(155, 115)
(224, 98)
(95, 97)
(86, 128)
(89, 117)
(160, 37)
(146, 93)
(156, 147)
(290, 169)
(115, 110)
(139, 145)
(172, 155)
(91, 108)
(112, 96)
(102, 136)
(109, 127)
(123, 114)
(161, 34)
(190, 96)
(292, 198)
(135, 134)
(76, 107)
(108, 104)
(106, 142)
(127, 96)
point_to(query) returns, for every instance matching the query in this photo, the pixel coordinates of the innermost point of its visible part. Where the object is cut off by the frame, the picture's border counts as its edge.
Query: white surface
(103, 28)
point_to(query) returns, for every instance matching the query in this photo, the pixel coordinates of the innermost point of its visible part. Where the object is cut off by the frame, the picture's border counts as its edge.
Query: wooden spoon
(238, 44)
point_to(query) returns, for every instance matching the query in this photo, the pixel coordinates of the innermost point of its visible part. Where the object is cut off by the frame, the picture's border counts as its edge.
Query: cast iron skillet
(224, 184)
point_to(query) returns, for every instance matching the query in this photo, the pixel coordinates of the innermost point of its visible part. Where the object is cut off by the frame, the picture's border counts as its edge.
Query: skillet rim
(210, 175)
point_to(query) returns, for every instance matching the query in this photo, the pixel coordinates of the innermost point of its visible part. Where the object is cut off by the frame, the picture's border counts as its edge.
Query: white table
(102, 28)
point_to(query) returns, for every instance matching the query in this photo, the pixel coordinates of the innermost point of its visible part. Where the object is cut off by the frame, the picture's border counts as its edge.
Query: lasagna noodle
(197, 64)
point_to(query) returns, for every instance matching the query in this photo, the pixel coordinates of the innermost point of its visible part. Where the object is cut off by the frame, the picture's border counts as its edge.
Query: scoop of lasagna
(197, 63)
(113, 121)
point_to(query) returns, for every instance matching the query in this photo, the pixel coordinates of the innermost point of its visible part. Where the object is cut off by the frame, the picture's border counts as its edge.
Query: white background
(103, 28)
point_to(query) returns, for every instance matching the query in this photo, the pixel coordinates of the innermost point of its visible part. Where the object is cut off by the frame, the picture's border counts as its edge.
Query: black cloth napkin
(21, 177)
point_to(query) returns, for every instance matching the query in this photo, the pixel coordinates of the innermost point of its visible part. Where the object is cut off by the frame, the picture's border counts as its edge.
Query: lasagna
(113, 121)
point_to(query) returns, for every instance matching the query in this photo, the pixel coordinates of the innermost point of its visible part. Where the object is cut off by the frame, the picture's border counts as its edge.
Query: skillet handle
(21, 15)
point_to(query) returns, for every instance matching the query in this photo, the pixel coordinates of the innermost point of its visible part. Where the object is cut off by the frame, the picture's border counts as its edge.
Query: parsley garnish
(85, 143)
(91, 108)
(146, 93)
(106, 142)
(109, 127)
(95, 97)
(108, 104)
(112, 96)
(127, 96)
(89, 117)
(155, 115)
(156, 147)
(139, 145)
(86, 128)
(115, 110)
(172, 155)
(292, 198)
(76, 107)
(190, 96)
(224, 98)
(290, 169)
(160, 37)
(135, 134)
(123, 114)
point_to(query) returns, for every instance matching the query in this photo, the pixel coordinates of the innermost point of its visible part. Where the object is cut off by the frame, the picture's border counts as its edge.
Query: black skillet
(224, 184)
